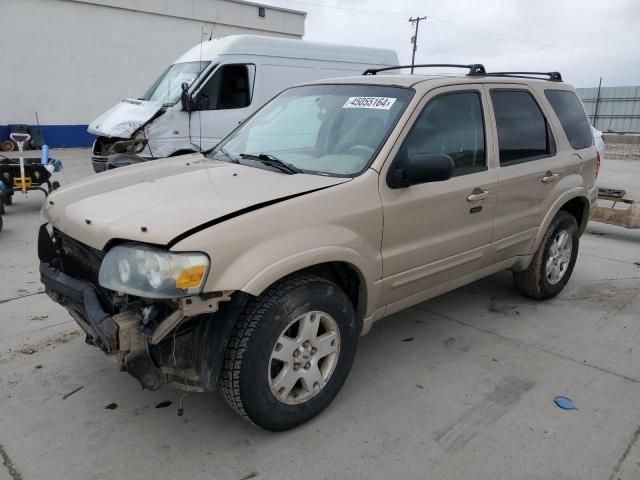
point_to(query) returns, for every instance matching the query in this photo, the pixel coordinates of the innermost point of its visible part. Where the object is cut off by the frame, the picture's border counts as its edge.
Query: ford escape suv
(256, 268)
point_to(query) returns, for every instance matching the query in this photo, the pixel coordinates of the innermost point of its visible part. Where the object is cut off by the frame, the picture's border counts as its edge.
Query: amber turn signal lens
(190, 277)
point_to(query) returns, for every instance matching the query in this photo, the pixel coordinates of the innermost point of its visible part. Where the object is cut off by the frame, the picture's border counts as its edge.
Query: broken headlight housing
(128, 146)
(153, 273)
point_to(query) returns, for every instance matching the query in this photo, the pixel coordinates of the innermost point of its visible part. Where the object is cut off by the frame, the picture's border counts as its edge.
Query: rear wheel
(290, 352)
(553, 262)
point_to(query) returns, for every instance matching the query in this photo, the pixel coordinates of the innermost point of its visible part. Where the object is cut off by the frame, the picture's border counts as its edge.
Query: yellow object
(190, 277)
(23, 183)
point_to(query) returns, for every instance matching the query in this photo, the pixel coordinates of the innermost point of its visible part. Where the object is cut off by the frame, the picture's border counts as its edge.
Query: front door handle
(477, 195)
(550, 177)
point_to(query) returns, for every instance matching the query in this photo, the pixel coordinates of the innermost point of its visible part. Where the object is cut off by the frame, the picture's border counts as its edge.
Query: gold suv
(256, 268)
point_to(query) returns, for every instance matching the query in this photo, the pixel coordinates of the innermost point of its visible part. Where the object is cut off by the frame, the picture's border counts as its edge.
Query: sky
(584, 40)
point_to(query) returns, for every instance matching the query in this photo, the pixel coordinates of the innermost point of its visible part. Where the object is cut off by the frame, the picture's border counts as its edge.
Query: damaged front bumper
(117, 335)
(179, 342)
(182, 348)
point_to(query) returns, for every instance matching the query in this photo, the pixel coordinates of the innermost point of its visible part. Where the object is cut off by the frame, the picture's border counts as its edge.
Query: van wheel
(290, 352)
(553, 262)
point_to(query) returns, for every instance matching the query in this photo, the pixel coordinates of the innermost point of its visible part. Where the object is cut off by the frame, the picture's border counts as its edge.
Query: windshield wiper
(272, 161)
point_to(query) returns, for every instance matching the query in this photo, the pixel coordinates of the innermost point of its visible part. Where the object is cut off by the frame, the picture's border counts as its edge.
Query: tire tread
(529, 281)
(253, 312)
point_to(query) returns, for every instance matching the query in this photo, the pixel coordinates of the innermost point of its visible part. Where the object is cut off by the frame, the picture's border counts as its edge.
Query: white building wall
(70, 60)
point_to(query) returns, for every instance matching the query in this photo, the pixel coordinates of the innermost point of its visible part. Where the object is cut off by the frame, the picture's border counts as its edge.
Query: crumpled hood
(154, 202)
(124, 118)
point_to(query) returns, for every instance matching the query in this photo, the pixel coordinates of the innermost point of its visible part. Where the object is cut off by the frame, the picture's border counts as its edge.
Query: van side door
(221, 103)
(438, 232)
(530, 167)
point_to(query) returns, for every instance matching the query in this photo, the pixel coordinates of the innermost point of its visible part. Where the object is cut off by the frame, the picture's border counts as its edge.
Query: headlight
(128, 146)
(153, 273)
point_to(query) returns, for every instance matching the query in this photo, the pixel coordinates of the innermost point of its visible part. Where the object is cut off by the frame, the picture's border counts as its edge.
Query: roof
(276, 46)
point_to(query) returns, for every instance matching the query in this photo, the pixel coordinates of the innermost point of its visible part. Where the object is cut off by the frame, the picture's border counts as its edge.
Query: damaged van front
(211, 89)
(152, 126)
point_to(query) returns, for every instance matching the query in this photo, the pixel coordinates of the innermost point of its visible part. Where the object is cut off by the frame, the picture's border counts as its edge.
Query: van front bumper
(99, 163)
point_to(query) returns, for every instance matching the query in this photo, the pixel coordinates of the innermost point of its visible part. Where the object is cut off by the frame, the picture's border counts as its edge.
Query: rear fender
(557, 206)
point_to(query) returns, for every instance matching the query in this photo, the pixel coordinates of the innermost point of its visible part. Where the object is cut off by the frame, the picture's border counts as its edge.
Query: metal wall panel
(618, 109)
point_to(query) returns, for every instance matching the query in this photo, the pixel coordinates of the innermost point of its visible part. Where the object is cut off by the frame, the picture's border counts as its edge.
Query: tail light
(597, 163)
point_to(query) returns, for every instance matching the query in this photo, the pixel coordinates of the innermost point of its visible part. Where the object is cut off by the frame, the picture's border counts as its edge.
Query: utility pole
(414, 39)
(595, 114)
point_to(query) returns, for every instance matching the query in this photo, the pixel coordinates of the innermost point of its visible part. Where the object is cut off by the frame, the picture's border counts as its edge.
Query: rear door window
(523, 132)
(572, 117)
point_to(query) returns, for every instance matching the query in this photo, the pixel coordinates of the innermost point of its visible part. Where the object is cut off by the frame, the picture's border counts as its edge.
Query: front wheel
(290, 352)
(553, 262)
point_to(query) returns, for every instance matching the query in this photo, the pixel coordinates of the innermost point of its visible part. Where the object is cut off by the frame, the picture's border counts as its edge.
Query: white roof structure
(284, 47)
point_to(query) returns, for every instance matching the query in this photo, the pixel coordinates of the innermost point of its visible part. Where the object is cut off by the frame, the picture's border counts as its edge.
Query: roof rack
(553, 76)
(475, 70)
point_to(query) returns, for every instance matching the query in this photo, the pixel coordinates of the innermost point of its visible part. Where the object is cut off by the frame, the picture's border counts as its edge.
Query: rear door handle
(550, 177)
(478, 195)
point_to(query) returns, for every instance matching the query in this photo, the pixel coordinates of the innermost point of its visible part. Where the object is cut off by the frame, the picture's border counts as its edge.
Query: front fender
(310, 258)
(267, 262)
(253, 250)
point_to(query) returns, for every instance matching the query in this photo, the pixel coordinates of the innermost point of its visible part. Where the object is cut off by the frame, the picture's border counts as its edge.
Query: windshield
(168, 88)
(321, 129)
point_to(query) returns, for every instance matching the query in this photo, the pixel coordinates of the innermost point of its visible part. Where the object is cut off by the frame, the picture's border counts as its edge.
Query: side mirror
(422, 168)
(185, 98)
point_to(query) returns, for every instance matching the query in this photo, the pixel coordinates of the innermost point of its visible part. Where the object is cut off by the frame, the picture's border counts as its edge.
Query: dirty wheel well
(579, 208)
(347, 278)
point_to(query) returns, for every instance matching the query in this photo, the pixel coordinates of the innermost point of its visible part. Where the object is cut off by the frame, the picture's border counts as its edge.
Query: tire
(250, 369)
(538, 280)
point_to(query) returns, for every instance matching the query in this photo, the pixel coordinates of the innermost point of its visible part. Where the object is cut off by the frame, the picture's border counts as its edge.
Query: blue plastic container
(44, 155)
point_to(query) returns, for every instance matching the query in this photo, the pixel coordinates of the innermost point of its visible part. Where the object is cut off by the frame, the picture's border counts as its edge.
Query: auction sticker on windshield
(380, 103)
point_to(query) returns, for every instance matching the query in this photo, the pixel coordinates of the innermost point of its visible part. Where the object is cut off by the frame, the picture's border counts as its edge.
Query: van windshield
(168, 88)
(320, 129)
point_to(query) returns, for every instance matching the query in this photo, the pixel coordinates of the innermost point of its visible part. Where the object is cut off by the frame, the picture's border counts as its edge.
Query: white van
(214, 87)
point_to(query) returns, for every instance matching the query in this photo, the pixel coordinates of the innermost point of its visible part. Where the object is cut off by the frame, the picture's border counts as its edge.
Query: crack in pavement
(611, 314)
(8, 337)
(6, 461)
(535, 347)
(616, 469)
(18, 298)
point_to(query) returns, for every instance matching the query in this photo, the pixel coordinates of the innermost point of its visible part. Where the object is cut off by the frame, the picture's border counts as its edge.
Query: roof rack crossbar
(553, 76)
(475, 69)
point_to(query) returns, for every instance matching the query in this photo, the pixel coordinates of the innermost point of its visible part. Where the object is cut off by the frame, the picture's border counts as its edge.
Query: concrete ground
(459, 387)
